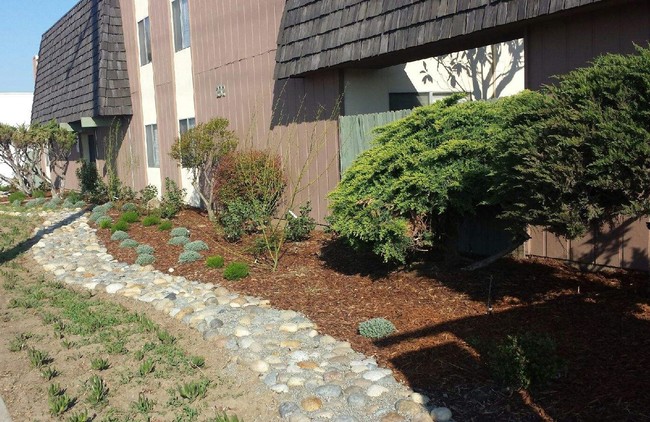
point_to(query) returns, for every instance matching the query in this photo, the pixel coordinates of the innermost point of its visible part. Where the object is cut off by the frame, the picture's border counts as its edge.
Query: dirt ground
(600, 322)
(24, 389)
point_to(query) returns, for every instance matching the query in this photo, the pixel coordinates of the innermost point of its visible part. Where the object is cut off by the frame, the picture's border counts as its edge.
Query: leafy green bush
(119, 235)
(129, 206)
(165, 225)
(299, 228)
(188, 256)
(150, 220)
(16, 196)
(129, 243)
(196, 246)
(178, 241)
(145, 259)
(180, 231)
(37, 193)
(214, 261)
(526, 360)
(172, 200)
(90, 183)
(120, 225)
(148, 193)
(248, 188)
(376, 328)
(130, 216)
(144, 249)
(235, 271)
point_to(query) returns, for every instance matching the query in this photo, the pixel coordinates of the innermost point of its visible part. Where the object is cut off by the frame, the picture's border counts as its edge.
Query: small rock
(153, 204)
(289, 328)
(307, 364)
(329, 390)
(114, 288)
(422, 417)
(419, 398)
(298, 417)
(291, 344)
(259, 366)
(392, 417)
(376, 375)
(311, 404)
(215, 323)
(441, 414)
(376, 390)
(296, 382)
(357, 400)
(280, 388)
(288, 408)
(409, 408)
(241, 332)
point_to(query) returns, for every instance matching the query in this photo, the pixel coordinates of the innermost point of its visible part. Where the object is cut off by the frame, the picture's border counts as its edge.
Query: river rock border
(316, 376)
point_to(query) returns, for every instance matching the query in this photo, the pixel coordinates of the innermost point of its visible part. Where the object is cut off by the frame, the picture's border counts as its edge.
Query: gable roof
(316, 34)
(81, 68)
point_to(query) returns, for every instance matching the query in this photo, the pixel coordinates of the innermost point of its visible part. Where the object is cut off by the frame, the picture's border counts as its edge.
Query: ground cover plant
(72, 355)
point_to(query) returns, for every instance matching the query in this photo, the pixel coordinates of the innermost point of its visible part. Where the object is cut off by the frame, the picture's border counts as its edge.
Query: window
(186, 124)
(409, 100)
(144, 38)
(181, 18)
(152, 146)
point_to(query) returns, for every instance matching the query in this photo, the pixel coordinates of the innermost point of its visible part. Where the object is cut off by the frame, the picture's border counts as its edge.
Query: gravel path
(317, 377)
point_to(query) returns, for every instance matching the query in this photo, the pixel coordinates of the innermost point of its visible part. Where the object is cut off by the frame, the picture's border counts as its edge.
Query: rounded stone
(259, 366)
(295, 382)
(215, 323)
(441, 414)
(376, 390)
(307, 364)
(289, 328)
(288, 408)
(409, 408)
(392, 417)
(241, 332)
(419, 398)
(311, 404)
(357, 400)
(280, 388)
(329, 391)
(376, 374)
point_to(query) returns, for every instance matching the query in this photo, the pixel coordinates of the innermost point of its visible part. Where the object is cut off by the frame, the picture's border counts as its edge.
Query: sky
(22, 23)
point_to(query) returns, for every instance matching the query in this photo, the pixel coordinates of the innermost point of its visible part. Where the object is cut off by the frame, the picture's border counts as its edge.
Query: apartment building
(284, 71)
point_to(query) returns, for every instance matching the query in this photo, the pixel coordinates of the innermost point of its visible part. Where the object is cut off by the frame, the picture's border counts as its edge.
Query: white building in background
(15, 109)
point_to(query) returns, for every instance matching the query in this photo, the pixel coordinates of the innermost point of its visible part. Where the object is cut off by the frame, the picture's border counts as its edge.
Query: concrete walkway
(4, 414)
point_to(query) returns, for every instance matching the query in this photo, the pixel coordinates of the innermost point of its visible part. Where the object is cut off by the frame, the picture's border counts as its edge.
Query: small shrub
(120, 225)
(17, 196)
(144, 249)
(60, 404)
(37, 202)
(148, 193)
(298, 228)
(214, 261)
(196, 246)
(180, 231)
(188, 256)
(129, 243)
(376, 328)
(49, 373)
(178, 241)
(236, 271)
(97, 390)
(143, 405)
(54, 390)
(16, 203)
(99, 364)
(151, 220)
(119, 236)
(197, 361)
(165, 225)
(224, 417)
(37, 193)
(103, 219)
(130, 216)
(81, 416)
(129, 206)
(194, 389)
(525, 360)
(145, 259)
(146, 367)
(37, 358)
(88, 176)
(172, 200)
(165, 337)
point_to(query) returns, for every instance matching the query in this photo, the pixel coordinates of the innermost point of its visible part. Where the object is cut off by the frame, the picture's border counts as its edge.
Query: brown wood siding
(234, 44)
(558, 46)
(162, 51)
(132, 157)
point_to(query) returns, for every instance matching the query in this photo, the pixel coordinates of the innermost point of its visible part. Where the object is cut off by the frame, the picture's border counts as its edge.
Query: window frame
(181, 24)
(152, 146)
(186, 124)
(144, 41)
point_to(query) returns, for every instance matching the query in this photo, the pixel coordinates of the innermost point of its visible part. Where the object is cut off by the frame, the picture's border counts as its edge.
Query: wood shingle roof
(317, 34)
(82, 65)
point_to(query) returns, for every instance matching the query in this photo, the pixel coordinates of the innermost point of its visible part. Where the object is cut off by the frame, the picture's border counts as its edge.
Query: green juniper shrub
(148, 193)
(525, 360)
(16, 196)
(120, 225)
(130, 216)
(172, 200)
(145, 259)
(129, 243)
(178, 241)
(129, 206)
(89, 181)
(151, 220)
(142, 249)
(165, 225)
(216, 261)
(119, 235)
(188, 256)
(299, 227)
(196, 246)
(180, 231)
(235, 271)
(376, 328)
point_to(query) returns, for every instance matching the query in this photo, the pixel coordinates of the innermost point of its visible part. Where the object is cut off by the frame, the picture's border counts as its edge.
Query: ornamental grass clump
(105, 224)
(128, 243)
(144, 249)
(180, 231)
(151, 220)
(165, 225)
(236, 271)
(120, 225)
(376, 328)
(178, 241)
(188, 256)
(102, 219)
(196, 246)
(145, 259)
(214, 261)
(119, 235)
(130, 216)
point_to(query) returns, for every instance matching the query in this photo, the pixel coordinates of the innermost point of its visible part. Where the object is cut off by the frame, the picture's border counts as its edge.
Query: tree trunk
(493, 258)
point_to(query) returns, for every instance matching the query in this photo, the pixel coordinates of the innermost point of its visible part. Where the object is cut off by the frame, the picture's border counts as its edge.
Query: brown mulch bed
(600, 321)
